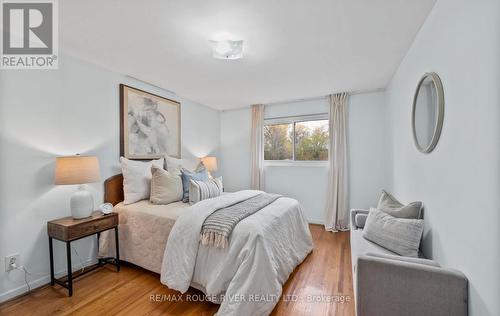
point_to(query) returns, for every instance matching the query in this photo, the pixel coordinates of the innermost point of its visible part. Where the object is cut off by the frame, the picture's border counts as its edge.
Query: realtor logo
(30, 34)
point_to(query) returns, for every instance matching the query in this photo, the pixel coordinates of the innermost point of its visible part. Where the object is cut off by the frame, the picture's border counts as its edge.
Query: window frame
(293, 120)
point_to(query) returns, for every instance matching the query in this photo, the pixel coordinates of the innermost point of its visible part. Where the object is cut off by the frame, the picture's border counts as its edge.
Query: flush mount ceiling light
(227, 49)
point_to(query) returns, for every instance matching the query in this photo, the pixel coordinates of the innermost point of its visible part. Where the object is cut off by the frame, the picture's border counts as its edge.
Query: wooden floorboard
(321, 285)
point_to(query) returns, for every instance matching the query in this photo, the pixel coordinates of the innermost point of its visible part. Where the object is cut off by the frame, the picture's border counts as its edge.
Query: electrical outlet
(9, 260)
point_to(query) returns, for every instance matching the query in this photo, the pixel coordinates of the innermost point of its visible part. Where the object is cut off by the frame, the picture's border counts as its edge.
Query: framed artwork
(150, 125)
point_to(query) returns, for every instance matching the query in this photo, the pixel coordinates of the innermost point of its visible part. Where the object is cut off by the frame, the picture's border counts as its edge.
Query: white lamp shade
(77, 170)
(210, 163)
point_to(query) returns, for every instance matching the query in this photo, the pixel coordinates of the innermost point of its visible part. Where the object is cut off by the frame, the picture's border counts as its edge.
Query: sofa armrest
(360, 220)
(402, 258)
(395, 287)
(355, 212)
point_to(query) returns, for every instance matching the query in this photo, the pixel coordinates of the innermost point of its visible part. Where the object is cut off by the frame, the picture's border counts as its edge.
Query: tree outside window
(311, 140)
(299, 140)
(278, 142)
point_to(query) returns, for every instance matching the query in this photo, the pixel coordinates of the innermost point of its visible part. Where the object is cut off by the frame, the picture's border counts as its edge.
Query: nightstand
(68, 229)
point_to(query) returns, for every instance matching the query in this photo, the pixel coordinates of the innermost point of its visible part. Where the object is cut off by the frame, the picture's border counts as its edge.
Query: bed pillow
(166, 187)
(187, 176)
(202, 190)
(388, 204)
(172, 164)
(399, 235)
(137, 178)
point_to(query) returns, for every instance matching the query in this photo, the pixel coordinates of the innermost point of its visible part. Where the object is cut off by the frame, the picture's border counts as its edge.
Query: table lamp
(210, 163)
(78, 170)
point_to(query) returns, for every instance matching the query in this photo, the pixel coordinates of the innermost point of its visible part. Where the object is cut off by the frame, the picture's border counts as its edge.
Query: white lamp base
(82, 203)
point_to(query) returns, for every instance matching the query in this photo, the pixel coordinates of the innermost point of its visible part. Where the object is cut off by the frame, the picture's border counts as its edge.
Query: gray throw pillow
(399, 235)
(388, 204)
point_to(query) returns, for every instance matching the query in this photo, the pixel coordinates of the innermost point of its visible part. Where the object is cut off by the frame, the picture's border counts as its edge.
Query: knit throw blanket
(219, 225)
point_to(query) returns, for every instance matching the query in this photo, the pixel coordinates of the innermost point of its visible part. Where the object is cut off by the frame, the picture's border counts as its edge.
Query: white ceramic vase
(82, 203)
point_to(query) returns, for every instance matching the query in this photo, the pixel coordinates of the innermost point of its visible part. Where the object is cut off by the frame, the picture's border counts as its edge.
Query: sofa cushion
(388, 204)
(361, 246)
(400, 235)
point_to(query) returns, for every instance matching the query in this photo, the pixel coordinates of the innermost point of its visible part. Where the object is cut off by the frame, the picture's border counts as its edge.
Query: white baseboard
(315, 221)
(43, 280)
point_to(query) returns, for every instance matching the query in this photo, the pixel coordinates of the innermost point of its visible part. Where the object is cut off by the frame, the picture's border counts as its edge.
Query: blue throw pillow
(187, 176)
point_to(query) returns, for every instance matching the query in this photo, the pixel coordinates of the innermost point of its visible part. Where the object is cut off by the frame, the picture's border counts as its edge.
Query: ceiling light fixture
(227, 49)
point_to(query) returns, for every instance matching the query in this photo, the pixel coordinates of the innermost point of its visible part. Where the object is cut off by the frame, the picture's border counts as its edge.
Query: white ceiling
(292, 48)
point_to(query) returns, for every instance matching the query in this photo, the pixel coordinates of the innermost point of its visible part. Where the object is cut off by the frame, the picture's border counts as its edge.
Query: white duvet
(264, 248)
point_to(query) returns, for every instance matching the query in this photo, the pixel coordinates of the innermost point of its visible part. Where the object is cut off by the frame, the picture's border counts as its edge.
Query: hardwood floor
(314, 288)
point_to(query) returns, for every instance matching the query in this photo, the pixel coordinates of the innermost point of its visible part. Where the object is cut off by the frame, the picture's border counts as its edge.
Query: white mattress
(143, 232)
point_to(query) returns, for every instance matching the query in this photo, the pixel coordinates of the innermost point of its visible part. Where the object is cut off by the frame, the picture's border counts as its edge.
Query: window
(311, 140)
(296, 139)
(278, 142)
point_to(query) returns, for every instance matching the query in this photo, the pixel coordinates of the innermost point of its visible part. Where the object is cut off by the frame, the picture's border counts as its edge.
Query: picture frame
(150, 125)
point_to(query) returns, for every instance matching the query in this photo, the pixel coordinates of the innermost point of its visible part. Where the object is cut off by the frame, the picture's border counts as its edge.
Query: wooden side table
(68, 229)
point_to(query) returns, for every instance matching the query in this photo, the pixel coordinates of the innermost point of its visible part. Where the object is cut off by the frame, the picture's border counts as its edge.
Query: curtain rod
(324, 96)
(296, 116)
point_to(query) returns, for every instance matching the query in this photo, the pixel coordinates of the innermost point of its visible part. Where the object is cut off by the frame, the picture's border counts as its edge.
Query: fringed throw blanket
(219, 225)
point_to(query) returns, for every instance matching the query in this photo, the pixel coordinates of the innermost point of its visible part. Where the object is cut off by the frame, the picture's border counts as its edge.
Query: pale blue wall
(369, 155)
(44, 114)
(459, 182)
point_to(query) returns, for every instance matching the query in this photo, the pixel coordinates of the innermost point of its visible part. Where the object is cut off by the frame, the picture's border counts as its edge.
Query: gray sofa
(387, 284)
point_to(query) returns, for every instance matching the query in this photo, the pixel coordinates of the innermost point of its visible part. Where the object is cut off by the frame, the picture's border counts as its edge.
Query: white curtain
(337, 215)
(257, 150)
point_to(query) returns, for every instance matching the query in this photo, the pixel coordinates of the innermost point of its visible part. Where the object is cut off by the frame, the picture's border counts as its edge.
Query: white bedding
(263, 250)
(143, 232)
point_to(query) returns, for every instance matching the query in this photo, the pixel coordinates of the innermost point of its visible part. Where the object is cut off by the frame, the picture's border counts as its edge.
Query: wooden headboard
(113, 189)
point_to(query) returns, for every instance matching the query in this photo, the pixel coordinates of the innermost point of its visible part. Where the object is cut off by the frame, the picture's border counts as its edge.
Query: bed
(246, 278)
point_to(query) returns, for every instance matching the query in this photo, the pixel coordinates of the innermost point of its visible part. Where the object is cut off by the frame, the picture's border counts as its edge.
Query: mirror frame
(440, 115)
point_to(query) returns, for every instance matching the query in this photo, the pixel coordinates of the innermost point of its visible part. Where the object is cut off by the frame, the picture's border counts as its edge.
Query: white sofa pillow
(137, 178)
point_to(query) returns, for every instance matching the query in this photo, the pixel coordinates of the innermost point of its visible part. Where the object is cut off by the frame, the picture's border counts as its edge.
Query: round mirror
(428, 112)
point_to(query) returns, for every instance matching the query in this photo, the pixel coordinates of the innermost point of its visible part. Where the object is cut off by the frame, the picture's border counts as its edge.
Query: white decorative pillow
(166, 187)
(202, 190)
(137, 178)
(172, 163)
